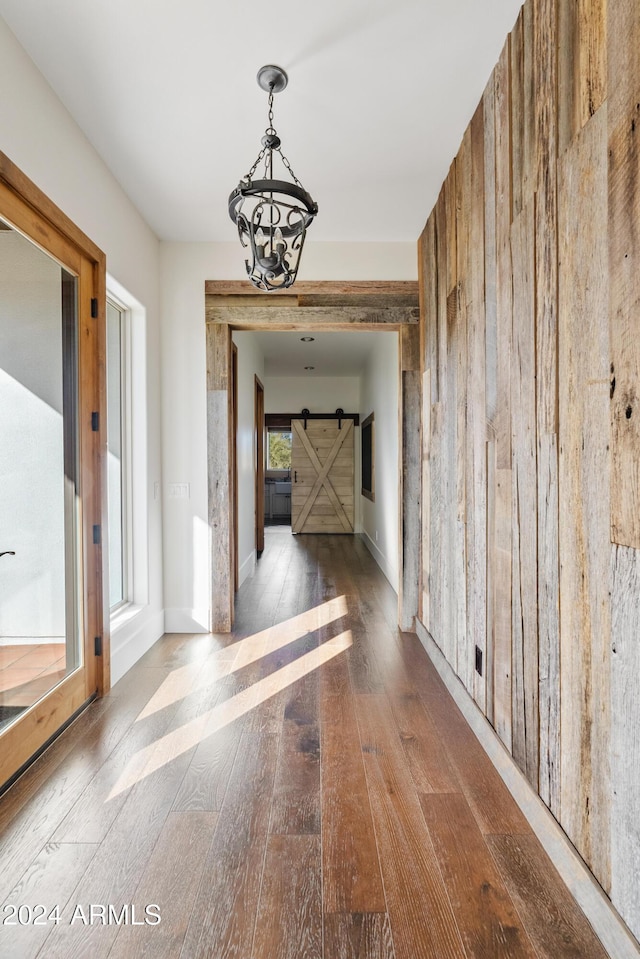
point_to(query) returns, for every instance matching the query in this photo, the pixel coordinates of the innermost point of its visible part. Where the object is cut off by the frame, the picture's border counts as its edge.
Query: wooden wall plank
(582, 65)
(545, 16)
(625, 734)
(624, 264)
(449, 426)
(501, 616)
(463, 246)
(438, 576)
(584, 500)
(490, 305)
(476, 422)
(524, 516)
(503, 259)
(425, 544)
(523, 152)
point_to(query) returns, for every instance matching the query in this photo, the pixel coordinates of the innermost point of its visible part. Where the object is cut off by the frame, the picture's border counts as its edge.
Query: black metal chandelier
(272, 215)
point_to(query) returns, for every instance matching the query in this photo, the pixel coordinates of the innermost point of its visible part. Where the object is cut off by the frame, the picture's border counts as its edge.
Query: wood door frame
(31, 212)
(233, 463)
(391, 306)
(259, 447)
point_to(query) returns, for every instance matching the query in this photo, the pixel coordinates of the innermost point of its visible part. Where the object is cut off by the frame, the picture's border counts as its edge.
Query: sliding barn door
(322, 499)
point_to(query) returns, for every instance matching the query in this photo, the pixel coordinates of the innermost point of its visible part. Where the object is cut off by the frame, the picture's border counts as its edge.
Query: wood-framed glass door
(53, 647)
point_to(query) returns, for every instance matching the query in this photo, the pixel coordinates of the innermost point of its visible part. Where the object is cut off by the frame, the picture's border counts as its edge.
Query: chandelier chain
(265, 150)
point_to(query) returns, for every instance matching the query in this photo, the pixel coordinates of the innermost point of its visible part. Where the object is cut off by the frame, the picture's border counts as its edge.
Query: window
(117, 454)
(279, 450)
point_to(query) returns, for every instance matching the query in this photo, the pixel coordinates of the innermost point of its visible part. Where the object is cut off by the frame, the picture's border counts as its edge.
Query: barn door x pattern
(323, 464)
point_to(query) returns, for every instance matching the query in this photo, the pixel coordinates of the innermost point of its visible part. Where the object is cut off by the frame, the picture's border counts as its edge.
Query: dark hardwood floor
(302, 788)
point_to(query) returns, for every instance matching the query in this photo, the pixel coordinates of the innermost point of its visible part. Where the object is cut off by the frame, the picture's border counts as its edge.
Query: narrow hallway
(302, 788)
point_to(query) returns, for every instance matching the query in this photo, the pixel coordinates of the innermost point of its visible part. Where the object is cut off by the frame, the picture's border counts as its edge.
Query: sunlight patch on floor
(153, 757)
(194, 676)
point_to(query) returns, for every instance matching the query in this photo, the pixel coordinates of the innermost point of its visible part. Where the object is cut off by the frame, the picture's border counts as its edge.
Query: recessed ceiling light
(309, 367)
(307, 339)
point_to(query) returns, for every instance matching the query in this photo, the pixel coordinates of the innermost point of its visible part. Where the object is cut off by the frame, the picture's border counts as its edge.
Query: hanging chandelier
(272, 215)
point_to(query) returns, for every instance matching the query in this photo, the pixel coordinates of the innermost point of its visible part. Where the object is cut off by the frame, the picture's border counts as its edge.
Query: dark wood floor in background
(303, 788)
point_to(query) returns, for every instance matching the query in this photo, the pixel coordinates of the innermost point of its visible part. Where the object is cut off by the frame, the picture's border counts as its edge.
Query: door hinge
(97, 646)
(97, 531)
(94, 308)
(95, 422)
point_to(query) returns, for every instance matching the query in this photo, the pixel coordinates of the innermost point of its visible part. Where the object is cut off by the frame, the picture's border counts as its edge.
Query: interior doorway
(316, 306)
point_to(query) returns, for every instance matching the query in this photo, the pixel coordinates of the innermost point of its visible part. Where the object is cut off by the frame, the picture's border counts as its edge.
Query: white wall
(184, 269)
(379, 395)
(250, 365)
(40, 136)
(318, 394)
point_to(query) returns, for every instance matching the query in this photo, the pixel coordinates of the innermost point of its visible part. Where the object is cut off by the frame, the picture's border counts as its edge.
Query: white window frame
(126, 483)
(134, 455)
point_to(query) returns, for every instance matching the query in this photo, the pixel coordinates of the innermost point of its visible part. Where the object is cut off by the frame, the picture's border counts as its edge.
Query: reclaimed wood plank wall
(530, 353)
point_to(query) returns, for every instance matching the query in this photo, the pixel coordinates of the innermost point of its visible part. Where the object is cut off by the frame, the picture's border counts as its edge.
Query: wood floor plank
(555, 924)
(172, 890)
(487, 919)
(205, 783)
(484, 790)
(356, 935)
(49, 881)
(422, 919)
(296, 794)
(431, 770)
(289, 921)
(223, 919)
(351, 871)
(33, 808)
(119, 864)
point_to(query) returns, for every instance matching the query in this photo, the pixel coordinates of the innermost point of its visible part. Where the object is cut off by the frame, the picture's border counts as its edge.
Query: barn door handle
(8, 552)
(295, 476)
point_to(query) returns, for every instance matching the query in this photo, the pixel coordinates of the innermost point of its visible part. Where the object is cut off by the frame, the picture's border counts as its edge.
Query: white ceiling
(379, 95)
(330, 353)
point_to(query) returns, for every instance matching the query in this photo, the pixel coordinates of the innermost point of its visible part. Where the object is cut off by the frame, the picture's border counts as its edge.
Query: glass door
(46, 659)
(39, 636)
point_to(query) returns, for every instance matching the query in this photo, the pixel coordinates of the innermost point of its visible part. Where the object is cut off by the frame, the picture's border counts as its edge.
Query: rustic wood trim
(27, 208)
(219, 454)
(374, 305)
(40, 204)
(259, 427)
(233, 464)
(317, 317)
(317, 288)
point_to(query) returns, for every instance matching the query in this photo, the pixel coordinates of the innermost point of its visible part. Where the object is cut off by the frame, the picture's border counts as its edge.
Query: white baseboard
(589, 895)
(247, 568)
(132, 640)
(178, 620)
(381, 559)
